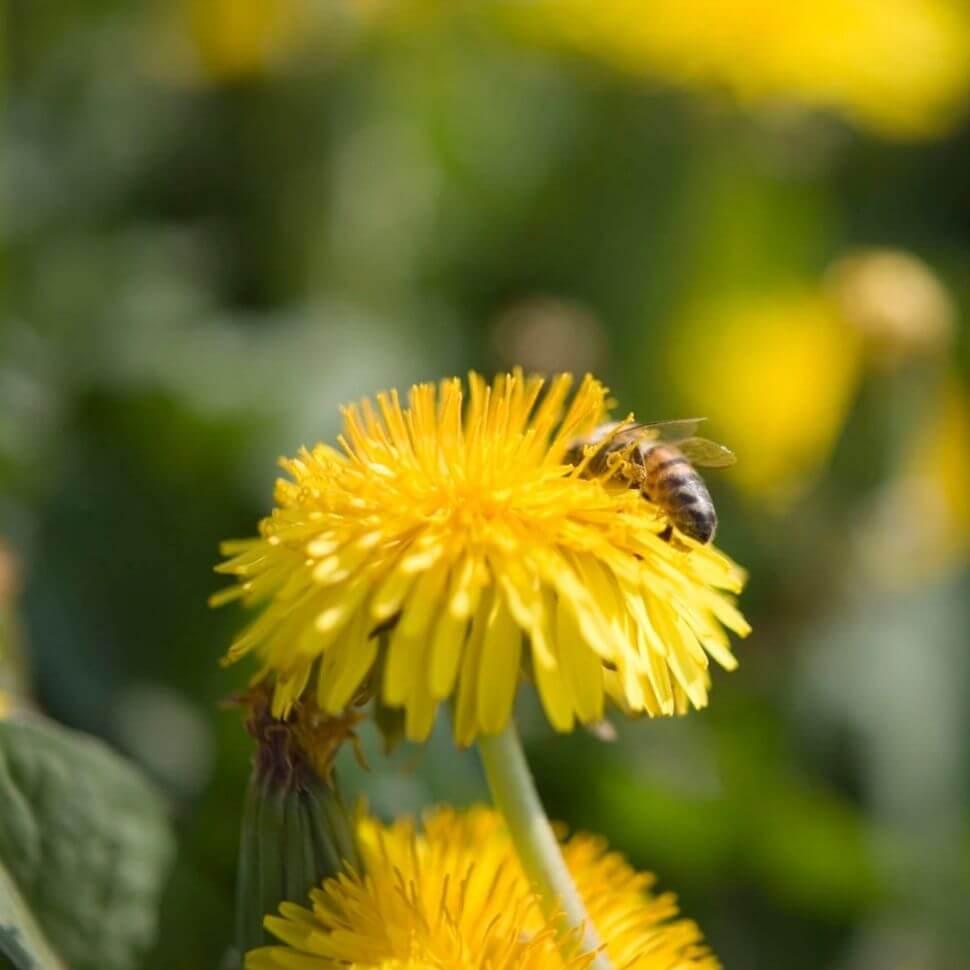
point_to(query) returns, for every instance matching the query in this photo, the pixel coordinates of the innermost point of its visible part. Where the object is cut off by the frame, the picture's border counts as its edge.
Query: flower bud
(296, 831)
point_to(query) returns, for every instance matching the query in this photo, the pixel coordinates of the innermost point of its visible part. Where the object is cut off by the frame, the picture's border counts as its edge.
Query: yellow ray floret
(448, 545)
(455, 896)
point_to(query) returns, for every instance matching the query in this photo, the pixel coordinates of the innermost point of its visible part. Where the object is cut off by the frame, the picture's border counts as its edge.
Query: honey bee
(658, 460)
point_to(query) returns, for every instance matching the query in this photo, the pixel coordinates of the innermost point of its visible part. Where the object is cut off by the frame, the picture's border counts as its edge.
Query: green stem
(515, 796)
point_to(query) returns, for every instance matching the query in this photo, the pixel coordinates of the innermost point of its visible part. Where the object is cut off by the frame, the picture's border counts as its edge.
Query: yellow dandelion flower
(901, 67)
(455, 896)
(447, 546)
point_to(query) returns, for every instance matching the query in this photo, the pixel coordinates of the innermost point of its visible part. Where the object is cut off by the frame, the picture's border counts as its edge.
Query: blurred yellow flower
(226, 40)
(237, 37)
(920, 526)
(455, 896)
(901, 67)
(444, 534)
(942, 459)
(776, 374)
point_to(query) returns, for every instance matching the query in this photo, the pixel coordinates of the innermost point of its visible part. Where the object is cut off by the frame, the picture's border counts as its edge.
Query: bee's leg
(573, 456)
(597, 464)
(668, 536)
(638, 479)
(641, 484)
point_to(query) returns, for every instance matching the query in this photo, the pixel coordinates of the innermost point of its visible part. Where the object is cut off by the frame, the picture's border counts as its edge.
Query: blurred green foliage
(209, 244)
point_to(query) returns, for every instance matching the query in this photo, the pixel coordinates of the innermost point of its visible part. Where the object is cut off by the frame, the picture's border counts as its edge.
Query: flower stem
(515, 796)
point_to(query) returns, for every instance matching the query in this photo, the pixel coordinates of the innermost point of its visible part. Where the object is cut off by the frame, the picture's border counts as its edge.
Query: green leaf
(85, 845)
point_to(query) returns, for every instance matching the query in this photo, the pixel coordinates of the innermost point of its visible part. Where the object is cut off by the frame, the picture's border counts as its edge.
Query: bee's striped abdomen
(671, 482)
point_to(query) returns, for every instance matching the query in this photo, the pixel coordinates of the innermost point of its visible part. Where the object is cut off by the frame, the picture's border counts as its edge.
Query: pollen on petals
(449, 546)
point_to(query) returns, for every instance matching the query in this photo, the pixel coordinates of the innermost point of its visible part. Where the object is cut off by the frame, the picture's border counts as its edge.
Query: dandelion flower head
(455, 896)
(447, 547)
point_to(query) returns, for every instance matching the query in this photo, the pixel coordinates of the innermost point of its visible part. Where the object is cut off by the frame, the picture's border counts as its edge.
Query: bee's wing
(706, 454)
(673, 431)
